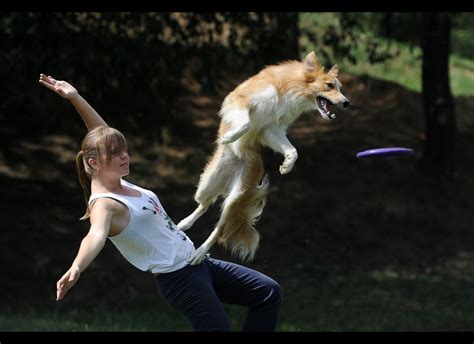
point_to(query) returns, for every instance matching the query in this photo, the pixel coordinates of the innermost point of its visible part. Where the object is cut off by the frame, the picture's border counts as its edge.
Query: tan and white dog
(258, 112)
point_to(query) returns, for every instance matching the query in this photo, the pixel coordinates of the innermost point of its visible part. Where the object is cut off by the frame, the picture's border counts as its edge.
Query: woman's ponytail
(85, 181)
(99, 141)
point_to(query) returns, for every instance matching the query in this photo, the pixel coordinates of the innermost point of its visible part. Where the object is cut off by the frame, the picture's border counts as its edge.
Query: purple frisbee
(385, 152)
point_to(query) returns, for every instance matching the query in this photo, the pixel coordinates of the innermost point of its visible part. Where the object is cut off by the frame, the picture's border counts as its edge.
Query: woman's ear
(93, 164)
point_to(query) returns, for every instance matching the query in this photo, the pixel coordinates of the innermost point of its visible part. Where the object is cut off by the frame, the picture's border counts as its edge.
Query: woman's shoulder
(105, 204)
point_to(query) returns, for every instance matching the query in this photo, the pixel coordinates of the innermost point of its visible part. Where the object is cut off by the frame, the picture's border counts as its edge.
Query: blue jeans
(199, 292)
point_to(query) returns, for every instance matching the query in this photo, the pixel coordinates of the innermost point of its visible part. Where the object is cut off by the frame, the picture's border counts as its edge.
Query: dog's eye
(330, 86)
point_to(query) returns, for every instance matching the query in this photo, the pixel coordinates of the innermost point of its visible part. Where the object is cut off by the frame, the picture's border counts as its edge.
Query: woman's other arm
(90, 117)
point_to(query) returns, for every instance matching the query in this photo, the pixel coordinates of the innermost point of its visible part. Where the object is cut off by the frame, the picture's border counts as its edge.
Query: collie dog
(258, 112)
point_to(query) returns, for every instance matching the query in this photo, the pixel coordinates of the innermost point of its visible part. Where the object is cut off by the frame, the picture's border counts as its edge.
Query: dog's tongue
(324, 103)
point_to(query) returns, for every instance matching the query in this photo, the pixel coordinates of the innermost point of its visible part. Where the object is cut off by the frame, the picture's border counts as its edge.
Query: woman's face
(119, 163)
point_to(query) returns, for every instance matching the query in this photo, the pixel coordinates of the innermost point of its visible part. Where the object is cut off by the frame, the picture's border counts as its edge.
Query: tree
(136, 63)
(433, 33)
(440, 120)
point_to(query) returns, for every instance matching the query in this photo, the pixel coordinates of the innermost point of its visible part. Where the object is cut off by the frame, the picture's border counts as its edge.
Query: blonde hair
(97, 141)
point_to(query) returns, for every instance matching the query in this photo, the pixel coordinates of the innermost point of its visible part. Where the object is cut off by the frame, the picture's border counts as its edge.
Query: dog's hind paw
(228, 139)
(197, 256)
(184, 225)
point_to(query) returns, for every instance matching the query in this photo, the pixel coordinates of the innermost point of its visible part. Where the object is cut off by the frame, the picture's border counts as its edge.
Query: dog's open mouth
(323, 109)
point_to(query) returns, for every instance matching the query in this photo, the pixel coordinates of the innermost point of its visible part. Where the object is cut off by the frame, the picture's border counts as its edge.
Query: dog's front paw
(286, 168)
(198, 255)
(289, 162)
(235, 134)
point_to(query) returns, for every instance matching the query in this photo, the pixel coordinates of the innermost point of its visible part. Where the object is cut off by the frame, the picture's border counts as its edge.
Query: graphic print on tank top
(154, 206)
(157, 210)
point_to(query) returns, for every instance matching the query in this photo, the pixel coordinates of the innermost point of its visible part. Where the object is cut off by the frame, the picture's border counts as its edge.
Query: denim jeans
(199, 292)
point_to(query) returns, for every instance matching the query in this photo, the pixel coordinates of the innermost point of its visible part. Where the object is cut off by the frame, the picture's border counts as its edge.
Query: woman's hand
(63, 88)
(90, 117)
(67, 282)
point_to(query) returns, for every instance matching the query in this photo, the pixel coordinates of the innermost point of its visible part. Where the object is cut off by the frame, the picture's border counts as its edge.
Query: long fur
(238, 232)
(258, 112)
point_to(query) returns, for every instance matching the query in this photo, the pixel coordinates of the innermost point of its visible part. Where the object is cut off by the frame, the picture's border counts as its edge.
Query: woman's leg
(190, 290)
(236, 284)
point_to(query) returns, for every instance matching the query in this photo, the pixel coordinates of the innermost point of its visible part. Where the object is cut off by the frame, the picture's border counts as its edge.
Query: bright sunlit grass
(404, 69)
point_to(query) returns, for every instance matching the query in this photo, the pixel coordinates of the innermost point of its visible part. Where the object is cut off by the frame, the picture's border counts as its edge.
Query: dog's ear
(334, 71)
(311, 63)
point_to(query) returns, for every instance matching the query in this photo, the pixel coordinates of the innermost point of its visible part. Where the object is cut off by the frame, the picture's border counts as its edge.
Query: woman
(136, 223)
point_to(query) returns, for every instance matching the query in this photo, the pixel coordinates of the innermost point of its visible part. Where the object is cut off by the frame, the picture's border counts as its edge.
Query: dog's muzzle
(323, 109)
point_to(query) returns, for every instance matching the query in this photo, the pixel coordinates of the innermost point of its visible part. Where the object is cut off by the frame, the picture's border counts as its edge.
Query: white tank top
(151, 241)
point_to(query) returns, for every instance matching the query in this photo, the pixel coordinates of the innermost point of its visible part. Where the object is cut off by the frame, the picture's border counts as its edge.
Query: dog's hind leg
(276, 139)
(212, 183)
(188, 221)
(236, 189)
(200, 253)
(239, 122)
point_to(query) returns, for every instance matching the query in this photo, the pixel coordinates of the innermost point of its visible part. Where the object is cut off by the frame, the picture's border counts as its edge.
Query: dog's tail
(243, 211)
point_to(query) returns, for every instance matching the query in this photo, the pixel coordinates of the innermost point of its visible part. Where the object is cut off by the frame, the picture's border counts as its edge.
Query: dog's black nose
(345, 104)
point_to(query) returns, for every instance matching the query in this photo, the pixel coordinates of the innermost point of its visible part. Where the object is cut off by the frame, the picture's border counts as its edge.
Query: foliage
(404, 65)
(344, 37)
(110, 56)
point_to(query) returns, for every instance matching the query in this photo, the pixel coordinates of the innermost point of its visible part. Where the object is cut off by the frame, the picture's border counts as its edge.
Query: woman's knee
(275, 292)
(278, 291)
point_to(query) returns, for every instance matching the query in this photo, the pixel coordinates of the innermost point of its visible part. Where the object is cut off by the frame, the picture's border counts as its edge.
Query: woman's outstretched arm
(90, 117)
(101, 217)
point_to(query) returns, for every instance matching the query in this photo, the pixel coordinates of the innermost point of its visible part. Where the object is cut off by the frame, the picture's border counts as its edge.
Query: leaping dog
(258, 112)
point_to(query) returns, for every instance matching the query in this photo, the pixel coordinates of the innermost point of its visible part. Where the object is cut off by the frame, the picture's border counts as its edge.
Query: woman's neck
(102, 185)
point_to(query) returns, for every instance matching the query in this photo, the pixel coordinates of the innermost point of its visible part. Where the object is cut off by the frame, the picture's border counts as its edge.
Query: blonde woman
(135, 221)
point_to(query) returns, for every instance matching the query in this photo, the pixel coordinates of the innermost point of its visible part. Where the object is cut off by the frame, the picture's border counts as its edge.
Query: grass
(328, 299)
(382, 300)
(83, 320)
(404, 69)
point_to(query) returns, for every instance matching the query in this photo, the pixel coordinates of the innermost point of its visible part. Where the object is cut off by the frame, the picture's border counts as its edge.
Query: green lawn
(404, 69)
(383, 300)
(330, 298)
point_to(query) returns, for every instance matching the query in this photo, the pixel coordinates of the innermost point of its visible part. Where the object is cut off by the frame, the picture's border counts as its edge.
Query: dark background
(376, 236)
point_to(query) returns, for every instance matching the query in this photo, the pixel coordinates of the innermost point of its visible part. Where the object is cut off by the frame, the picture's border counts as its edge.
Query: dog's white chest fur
(266, 107)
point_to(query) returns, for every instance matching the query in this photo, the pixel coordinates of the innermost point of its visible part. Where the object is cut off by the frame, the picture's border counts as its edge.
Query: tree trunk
(440, 120)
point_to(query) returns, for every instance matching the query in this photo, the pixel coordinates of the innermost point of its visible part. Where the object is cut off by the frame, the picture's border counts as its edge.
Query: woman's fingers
(61, 290)
(48, 79)
(45, 80)
(51, 83)
(60, 294)
(48, 85)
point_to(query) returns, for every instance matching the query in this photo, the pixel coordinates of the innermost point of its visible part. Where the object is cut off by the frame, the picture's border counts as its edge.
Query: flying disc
(385, 152)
